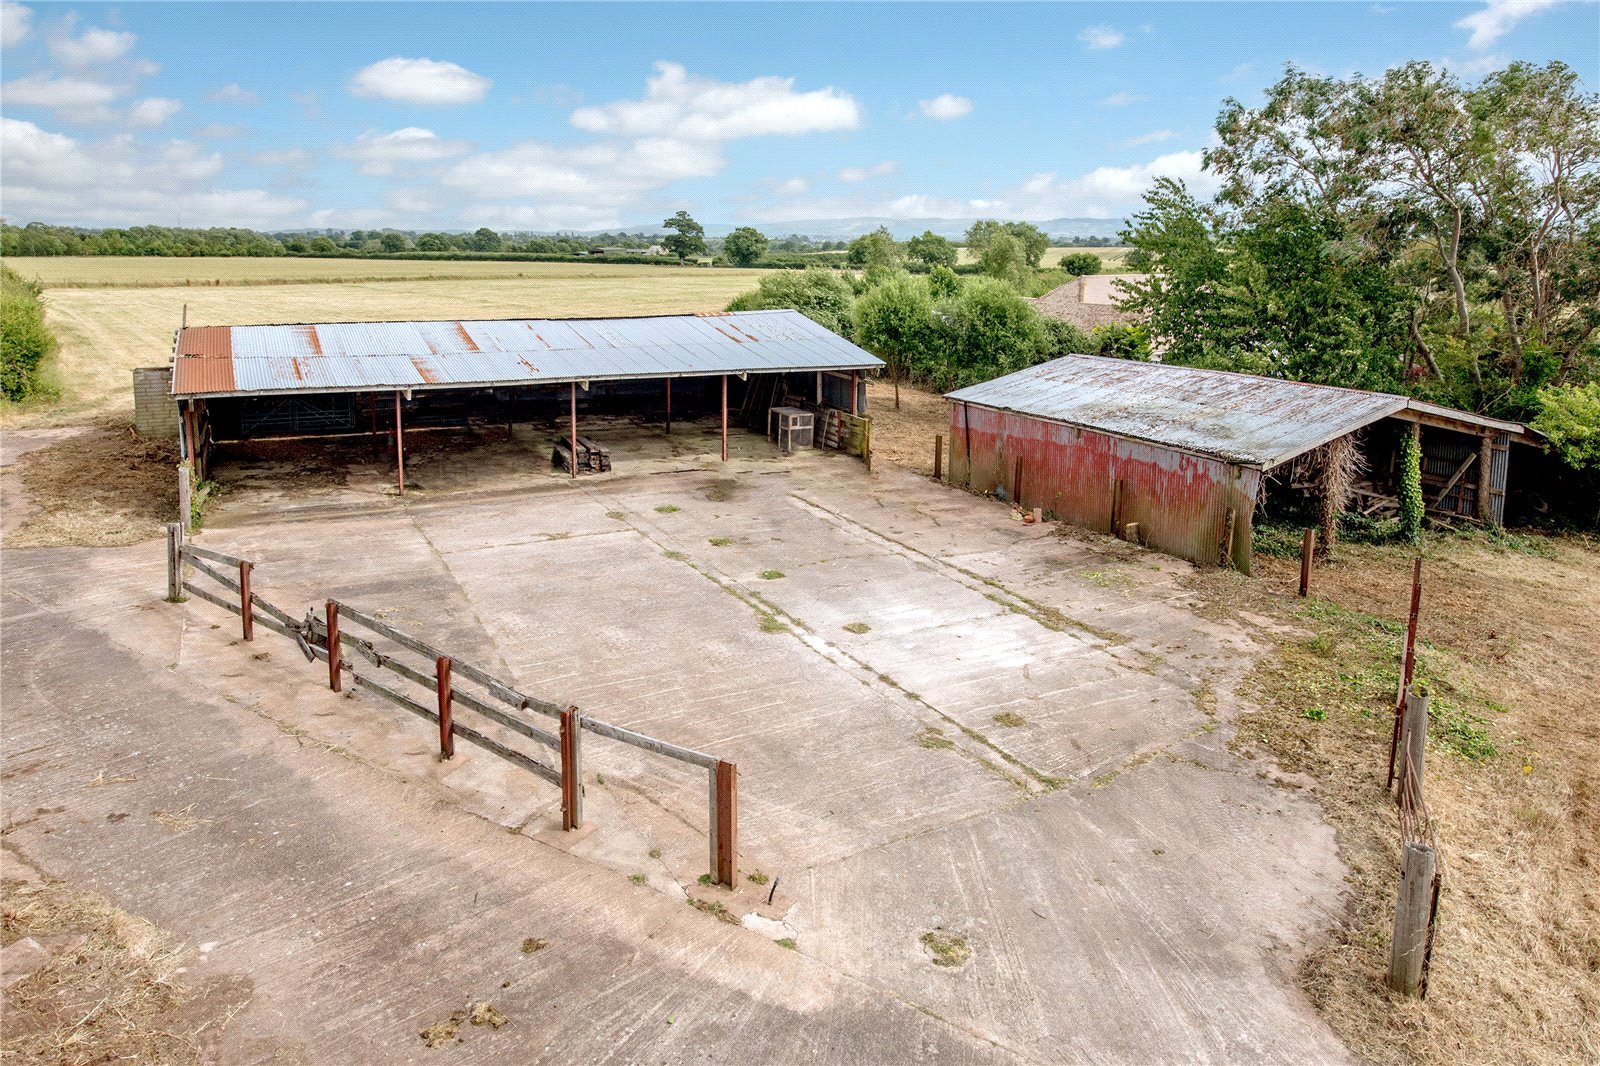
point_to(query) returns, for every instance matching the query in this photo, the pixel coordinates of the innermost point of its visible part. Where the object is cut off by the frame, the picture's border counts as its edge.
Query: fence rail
(328, 638)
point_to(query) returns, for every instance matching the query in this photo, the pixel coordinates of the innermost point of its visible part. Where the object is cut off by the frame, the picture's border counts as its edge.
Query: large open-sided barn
(1184, 454)
(237, 382)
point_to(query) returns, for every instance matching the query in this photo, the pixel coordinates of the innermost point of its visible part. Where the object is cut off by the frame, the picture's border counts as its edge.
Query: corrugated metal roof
(1239, 418)
(346, 356)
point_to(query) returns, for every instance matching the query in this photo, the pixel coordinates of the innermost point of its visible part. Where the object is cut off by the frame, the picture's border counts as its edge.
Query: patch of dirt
(104, 487)
(108, 990)
(1507, 645)
(905, 437)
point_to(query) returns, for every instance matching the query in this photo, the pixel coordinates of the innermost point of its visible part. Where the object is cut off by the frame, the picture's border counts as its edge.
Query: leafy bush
(1121, 341)
(820, 294)
(25, 340)
(1570, 416)
(1079, 263)
(1411, 502)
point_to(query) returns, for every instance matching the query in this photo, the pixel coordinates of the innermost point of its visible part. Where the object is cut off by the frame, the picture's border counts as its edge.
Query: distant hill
(843, 229)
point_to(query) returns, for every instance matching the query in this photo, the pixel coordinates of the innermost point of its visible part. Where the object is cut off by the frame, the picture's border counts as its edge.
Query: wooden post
(447, 733)
(174, 562)
(938, 456)
(1308, 546)
(1408, 664)
(1016, 482)
(186, 496)
(335, 681)
(571, 770)
(1413, 919)
(1485, 469)
(247, 612)
(866, 443)
(1227, 537)
(1413, 740)
(399, 446)
(725, 844)
(724, 418)
(669, 406)
(1116, 504)
(573, 412)
(854, 387)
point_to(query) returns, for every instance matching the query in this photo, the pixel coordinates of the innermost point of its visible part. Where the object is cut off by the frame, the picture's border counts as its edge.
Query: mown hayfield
(1111, 259)
(134, 271)
(106, 332)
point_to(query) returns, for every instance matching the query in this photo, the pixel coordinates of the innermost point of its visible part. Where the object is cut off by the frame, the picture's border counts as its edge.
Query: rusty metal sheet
(348, 356)
(1237, 418)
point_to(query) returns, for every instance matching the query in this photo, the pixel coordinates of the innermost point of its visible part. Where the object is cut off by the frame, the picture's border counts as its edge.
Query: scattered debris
(534, 943)
(486, 1014)
(947, 948)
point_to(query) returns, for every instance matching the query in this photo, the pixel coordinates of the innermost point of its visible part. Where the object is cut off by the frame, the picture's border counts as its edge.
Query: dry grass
(1507, 646)
(106, 332)
(103, 487)
(905, 437)
(108, 991)
(1111, 258)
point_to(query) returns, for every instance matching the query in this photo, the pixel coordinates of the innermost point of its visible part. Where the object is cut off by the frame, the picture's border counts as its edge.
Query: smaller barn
(235, 383)
(1180, 458)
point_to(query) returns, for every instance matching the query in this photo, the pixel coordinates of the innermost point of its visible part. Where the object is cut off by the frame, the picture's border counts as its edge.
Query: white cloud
(1122, 99)
(681, 105)
(792, 187)
(219, 131)
(282, 157)
(381, 153)
(1474, 67)
(419, 81)
(76, 99)
(121, 181)
(16, 21)
(94, 47)
(877, 170)
(153, 111)
(946, 107)
(232, 93)
(1497, 18)
(1101, 37)
(1153, 137)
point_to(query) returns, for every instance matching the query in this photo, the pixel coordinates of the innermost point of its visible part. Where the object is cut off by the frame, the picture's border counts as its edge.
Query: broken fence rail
(312, 635)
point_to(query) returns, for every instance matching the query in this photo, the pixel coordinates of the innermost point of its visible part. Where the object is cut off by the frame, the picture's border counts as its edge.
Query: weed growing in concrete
(616, 516)
(758, 878)
(771, 575)
(534, 943)
(721, 542)
(638, 879)
(714, 909)
(667, 508)
(655, 853)
(786, 942)
(933, 738)
(770, 624)
(1010, 719)
(947, 948)
(675, 556)
(705, 879)
(599, 779)
(857, 627)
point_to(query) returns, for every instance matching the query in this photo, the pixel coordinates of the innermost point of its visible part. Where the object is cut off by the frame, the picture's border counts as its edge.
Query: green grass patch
(721, 542)
(676, 556)
(638, 879)
(771, 575)
(933, 738)
(786, 942)
(667, 508)
(947, 948)
(771, 624)
(757, 878)
(857, 627)
(1010, 719)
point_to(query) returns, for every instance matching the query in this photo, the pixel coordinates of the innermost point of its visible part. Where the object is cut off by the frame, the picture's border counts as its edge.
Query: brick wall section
(155, 412)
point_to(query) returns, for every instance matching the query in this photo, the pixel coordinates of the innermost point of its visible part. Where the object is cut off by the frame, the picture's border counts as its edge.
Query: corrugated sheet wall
(1180, 501)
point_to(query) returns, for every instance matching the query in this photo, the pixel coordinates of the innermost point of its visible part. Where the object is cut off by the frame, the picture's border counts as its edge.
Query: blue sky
(582, 116)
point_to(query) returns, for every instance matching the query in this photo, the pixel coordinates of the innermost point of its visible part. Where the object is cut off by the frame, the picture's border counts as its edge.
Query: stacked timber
(846, 432)
(592, 457)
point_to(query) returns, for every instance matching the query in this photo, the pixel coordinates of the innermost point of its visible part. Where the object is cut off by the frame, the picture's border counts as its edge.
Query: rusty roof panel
(388, 355)
(1239, 418)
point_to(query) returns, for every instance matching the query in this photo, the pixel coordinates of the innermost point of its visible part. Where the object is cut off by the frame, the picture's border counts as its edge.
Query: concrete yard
(1130, 888)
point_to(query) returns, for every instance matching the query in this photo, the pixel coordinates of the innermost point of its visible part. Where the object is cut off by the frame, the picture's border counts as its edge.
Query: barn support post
(1308, 549)
(669, 406)
(447, 733)
(1413, 919)
(725, 804)
(399, 447)
(572, 390)
(174, 562)
(854, 378)
(724, 418)
(186, 495)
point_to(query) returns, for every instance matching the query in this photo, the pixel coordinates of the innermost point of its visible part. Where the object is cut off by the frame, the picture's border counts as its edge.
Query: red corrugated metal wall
(1180, 501)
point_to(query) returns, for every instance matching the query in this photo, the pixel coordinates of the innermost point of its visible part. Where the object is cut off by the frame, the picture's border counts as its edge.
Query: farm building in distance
(1088, 301)
(239, 382)
(1179, 457)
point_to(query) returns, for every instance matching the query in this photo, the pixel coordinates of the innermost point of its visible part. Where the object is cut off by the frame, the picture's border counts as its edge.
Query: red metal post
(399, 446)
(571, 769)
(247, 613)
(573, 388)
(335, 682)
(447, 733)
(1408, 664)
(669, 406)
(1308, 546)
(727, 822)
(724, 418)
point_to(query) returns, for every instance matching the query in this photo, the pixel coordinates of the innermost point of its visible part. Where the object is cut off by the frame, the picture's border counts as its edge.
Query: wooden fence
(329, 638)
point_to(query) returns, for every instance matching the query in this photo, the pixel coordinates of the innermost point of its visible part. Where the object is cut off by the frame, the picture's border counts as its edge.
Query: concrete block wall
(155, 412)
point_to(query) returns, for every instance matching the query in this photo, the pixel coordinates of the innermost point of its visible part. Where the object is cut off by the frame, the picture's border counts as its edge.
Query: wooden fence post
(247, 612)
(174, 562)
(938, 456)
(447, 733)
(185, 496)
(1308, 546)
(335, 682)
(1408, 664)
(866, 442)
(725, 844)
(1413, 738)
(1413, 919)
(571, 770)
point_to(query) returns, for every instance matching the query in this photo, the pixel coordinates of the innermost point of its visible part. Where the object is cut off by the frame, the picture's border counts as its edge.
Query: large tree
(1033, 241)
(932, 249)
(687, 238)
(744, 246)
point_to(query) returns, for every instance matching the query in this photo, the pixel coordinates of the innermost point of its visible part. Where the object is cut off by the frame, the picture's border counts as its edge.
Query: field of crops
(106, 332)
